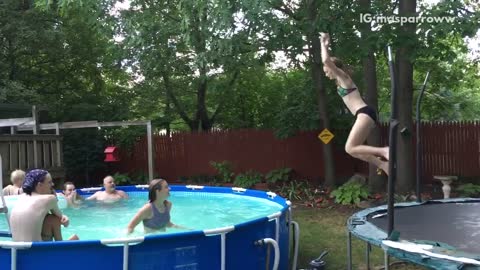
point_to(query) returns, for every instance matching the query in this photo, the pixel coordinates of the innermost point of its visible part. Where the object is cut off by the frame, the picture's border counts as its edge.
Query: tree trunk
(405, 157)
(376, 182)
(202, 121)
(317, 75)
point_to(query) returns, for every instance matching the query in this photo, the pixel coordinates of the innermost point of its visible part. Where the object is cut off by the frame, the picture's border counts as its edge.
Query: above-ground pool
(441, 234)
(227, 228)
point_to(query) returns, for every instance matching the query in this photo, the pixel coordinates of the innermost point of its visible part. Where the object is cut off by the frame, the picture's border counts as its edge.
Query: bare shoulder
(168, 204)
(122, 193)
(94, 196)
(146, 209)
(48, 197)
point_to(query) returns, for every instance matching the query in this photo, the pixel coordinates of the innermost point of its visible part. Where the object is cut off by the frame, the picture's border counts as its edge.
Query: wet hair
(155, 184)
(341, 65)
(66, 184)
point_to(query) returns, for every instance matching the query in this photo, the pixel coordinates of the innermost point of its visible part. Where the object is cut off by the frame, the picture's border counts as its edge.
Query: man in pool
(110, 194)
(28, 215)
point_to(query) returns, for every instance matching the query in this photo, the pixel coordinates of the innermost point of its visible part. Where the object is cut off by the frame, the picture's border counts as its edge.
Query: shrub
(277, 175)
(248, 179)
(121, 179)
(469, 190)
(350, 193)
(224, 170)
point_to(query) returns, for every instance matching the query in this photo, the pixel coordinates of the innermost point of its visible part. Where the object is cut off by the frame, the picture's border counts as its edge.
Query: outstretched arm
(93, 197)
(141, 215)
(339, 75)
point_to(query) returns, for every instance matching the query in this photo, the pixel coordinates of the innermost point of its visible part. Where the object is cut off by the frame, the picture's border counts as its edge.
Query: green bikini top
(343, 92)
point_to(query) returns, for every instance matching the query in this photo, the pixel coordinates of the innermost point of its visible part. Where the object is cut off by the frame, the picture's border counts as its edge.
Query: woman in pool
(366, 116)
(156, 213)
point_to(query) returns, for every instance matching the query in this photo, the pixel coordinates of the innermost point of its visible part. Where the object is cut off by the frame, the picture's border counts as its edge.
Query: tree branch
(176, 103)
(222, 102)
(286, 11)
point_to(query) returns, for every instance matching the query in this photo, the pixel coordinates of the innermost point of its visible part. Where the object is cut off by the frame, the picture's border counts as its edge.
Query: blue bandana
(33, 177)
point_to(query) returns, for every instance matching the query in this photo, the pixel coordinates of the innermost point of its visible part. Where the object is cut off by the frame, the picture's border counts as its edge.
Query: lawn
(325, 229)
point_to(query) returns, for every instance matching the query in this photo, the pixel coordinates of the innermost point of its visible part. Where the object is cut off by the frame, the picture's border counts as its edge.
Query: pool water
(193, 210)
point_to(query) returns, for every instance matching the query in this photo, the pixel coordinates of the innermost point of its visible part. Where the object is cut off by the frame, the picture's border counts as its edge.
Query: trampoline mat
(454, 224)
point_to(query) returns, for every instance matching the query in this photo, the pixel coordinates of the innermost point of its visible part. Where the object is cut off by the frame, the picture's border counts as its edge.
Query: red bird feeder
(111, 154)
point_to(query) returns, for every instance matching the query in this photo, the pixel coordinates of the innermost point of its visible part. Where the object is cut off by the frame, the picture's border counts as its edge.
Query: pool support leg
(296, 238)
(349, 250)
(367, 259)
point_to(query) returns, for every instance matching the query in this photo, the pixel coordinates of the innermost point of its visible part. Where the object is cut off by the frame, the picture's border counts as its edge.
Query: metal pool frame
(263, 243)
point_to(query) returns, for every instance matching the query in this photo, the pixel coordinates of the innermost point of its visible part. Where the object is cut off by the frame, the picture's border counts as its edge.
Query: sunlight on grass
(325, 229)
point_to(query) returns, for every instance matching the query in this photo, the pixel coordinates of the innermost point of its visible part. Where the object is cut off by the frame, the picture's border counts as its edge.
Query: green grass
(325, 229)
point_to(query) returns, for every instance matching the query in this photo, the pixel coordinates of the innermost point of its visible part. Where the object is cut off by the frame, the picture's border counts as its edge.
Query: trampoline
(252, 244)
(438, 234)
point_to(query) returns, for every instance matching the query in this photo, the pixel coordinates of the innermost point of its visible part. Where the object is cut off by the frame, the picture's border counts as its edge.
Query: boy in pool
(17, 177)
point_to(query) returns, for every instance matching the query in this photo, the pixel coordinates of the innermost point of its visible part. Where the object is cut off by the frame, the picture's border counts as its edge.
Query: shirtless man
(28, 215)
(110, 194)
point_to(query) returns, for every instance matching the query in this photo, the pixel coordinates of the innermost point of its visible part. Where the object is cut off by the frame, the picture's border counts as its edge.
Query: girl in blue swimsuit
(366, 117)
(155, 215)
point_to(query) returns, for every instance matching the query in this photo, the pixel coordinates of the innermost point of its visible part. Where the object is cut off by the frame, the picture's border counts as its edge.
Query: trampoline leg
(387, 260)
(368, 255)
(349, 251)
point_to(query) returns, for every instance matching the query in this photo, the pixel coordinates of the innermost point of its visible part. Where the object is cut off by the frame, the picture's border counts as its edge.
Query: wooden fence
(18, 152)
(451, 148)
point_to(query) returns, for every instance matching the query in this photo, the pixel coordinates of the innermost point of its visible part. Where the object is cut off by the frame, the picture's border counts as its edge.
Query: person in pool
(28, 214)
(70, 194)
(51, 229)
(17, 177)
(110, 194)
(156, 213)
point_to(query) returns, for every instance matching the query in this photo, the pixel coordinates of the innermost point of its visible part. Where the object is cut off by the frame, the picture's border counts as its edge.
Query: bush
(224, 170)
(282, 175)
(350, 193)
(469, 190)
(248, 179)
(121, 179)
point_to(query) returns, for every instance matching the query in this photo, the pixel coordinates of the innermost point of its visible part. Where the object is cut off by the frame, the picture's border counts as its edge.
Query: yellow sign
(325, 136)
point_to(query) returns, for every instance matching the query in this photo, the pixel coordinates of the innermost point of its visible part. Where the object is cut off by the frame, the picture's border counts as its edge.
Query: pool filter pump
(318, 263)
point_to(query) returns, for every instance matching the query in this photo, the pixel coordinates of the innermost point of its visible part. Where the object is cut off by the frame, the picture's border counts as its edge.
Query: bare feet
(386, 152)
(384, 167)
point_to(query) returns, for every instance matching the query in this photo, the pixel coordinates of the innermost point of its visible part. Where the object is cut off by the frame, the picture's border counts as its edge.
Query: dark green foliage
(469, 190)
(350, 193)
(248, 179)
(224, 169)
(278, 175)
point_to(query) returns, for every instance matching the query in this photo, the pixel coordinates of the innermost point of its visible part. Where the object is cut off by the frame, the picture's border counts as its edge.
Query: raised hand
(325, 39)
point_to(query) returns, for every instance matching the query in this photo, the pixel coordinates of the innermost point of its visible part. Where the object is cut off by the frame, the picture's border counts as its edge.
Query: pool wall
(185, 250)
